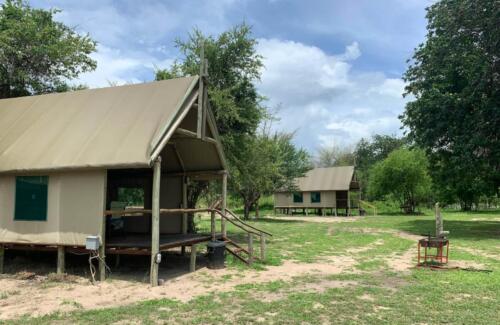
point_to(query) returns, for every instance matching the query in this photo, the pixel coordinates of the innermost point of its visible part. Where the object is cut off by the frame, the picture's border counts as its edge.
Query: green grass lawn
(374, 292)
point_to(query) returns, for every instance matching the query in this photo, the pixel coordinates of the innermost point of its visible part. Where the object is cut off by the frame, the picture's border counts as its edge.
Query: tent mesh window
(298, 198)
(31, 198)
(315, 197)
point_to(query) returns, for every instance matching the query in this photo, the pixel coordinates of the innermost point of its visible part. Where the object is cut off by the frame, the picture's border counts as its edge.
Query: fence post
(263, 247)
(212, 224)
(224, 205)
(250, 249)
(192, 260)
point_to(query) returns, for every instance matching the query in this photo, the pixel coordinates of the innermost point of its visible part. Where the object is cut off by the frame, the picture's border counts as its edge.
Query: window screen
(315, 197)
(298, 198)
(31, 198)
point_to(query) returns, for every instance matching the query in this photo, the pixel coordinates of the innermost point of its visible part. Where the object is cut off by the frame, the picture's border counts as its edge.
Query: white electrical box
(92, 243)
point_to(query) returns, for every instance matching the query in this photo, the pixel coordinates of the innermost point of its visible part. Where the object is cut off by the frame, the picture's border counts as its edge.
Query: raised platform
(140, 244)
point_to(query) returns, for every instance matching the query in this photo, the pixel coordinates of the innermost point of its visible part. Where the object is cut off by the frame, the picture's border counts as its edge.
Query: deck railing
(232, 218)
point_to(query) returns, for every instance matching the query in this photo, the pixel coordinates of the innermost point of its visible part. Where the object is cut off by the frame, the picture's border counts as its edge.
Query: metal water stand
(436, 249)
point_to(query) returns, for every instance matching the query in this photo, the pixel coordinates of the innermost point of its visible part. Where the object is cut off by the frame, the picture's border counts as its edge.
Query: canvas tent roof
(326, 179)
(110, 127)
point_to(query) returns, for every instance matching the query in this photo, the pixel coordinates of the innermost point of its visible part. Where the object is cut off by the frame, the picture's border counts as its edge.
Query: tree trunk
(195, 190)
(246, 209)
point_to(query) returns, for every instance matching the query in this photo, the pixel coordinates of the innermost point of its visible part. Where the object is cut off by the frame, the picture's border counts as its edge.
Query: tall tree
(38, 54)
(272, 163)
(454, 77)
(234, 66)
(403, 174)
(369, 152)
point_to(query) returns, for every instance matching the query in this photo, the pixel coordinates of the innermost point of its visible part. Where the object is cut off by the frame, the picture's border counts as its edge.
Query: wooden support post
(184, 206)
(155, 222)
(212, 225)
(348, 204)
(192, 259)
(102, 247)
(102, 252)
(60, 259)
(201, 94)
(2, 256)
(224, 205)
(262, 247)
(250, 249)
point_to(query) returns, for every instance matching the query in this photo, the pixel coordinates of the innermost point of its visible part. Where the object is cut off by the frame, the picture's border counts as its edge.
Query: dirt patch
(402, 262)
(324, 285)
(471, 265)
(366, 248)
(47, 296)
(485, 219)
(315, 287)
(317, 219)
(374, 231)
(366, 297)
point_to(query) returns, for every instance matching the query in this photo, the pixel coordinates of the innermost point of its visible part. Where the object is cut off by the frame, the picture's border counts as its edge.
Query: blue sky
(333, 67)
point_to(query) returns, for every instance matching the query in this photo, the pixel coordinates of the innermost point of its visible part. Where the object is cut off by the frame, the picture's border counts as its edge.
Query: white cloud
(352, 52)
(322, 96)
(325, 96)
(391, 87)
(299, 71)
(116, 67)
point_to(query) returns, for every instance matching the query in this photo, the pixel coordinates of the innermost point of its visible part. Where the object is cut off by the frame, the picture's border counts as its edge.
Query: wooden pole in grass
(263, 247)
(224, 205)
(212, 225)
(250, 249)
(155, 222)
(184, 206)
(60, 259)
(102, 247)
(192, 260)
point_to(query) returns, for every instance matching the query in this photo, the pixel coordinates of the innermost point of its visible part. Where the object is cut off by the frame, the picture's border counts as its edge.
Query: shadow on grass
(477, 230)
(275, 220)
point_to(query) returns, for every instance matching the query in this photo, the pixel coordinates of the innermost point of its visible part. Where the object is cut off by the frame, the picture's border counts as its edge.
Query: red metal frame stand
(434, 249)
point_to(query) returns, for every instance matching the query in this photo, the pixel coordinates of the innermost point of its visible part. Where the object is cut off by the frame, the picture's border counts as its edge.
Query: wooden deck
(140, 244)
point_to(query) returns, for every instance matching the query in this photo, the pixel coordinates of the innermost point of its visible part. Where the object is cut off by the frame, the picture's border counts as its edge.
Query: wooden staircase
(237, 251)
(245, 255)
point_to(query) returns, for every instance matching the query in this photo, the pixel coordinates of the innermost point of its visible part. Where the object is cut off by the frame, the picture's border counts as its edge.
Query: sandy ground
(46, 296)
(36, 295)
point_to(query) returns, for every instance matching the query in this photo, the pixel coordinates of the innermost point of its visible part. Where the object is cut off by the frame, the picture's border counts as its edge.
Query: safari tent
(321, 189)
(66, 157)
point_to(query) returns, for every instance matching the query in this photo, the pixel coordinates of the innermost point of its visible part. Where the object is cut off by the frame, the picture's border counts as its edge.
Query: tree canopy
(234, 66)
(258, 162)
(404, 176)
(370, 151)
(38, 54)
(272, 162)
(455, 117)
(334, 156)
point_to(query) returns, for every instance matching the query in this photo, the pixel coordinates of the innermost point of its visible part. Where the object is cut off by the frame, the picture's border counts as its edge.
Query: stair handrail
(246, 224)
(235, 223)
(370, 206)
